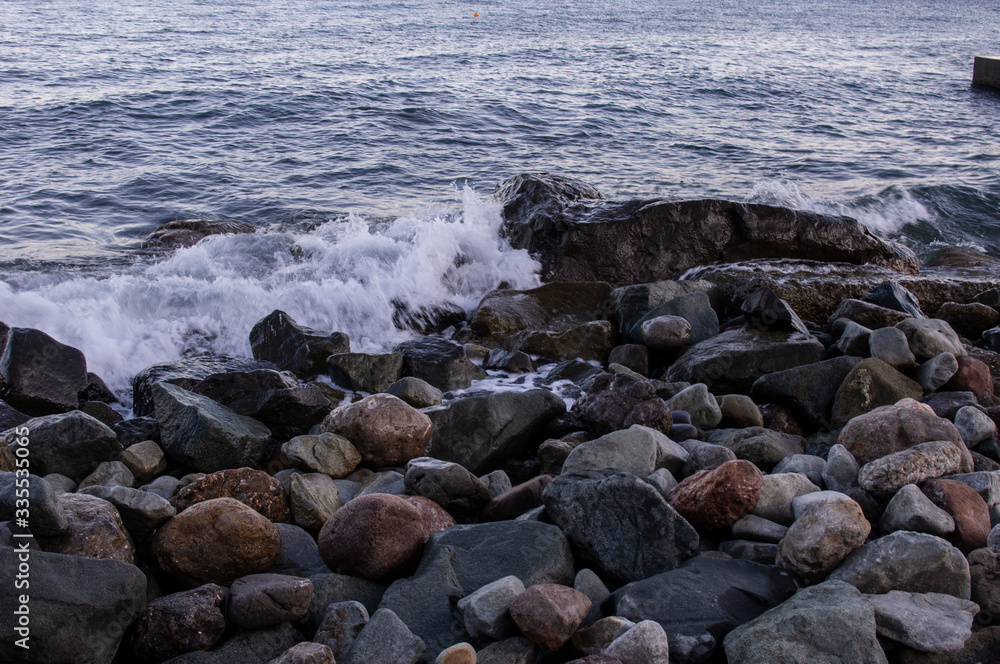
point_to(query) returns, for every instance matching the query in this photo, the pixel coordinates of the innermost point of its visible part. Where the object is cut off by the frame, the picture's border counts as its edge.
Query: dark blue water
(116, 117)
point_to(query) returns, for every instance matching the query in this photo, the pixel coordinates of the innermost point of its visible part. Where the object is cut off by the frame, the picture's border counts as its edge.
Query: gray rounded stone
(889, 345)
(485, 611)
(777, 493)
(325, 453)
(911, 510)
(936, 371)
(700, 404)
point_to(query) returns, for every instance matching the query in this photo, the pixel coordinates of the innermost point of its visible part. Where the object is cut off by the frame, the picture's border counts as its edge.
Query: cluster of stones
(757, 489)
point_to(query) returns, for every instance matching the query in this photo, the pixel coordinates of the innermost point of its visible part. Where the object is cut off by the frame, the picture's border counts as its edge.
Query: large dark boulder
(79, 607)
(481, 432)
(462, 559)
(204, 435)
(556, 306)
(619, 523)
(440, 362)
(560, 221)
(240, 391)
(701, 601)
(279, 339)
(732, 361)
(809, 390)
(186, 373)
(71, 444)
(39, 375)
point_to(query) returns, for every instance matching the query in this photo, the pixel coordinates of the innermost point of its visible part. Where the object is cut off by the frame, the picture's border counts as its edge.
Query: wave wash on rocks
(587, 470)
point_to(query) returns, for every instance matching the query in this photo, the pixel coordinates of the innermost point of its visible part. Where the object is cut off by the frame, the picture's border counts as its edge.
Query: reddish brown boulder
(516, 501)
(253, 488)
(95, 530)
(713, 499)
(385, 429)
(966, 507)
(972, 376)
(216, 541)
(181, 622)
(375, 537)
(549, 613)
(435, 517)
(899, 427)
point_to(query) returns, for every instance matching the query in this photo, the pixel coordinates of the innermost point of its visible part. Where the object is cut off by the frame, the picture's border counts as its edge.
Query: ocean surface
(371, 135)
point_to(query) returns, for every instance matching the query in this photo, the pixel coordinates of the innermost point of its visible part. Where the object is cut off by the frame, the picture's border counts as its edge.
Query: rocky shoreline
(700, 441)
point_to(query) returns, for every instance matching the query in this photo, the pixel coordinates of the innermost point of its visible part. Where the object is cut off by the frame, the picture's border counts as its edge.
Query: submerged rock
(189, 232)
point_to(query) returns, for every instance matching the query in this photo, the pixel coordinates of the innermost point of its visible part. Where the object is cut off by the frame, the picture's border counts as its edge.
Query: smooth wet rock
(828, 622)
(973, 375)
(929, 622)
(870, 384)
(898, 427)
(448, 484)
(313, 498)
(665, 332)
(698, 603)
(342, 622)
(634, 450)
(966, 507)
(700, 404)
(189, 232)
(552, 306)
(714, 499)
(821, 537)
(482, 432)
(486, 611)
(40, 375)
(216, 541)
(79, 607)
(325, 453)
(241, 391)
(145, 460)
(929, 337)
(258, 601)
(509, 361)
(885, 476)
(204, 435)
(383, 428)
(47, 516)
(694, 307)
(889, 345)
(374, 537)
(279, 339)
(974, 425)
(416, 392)
(253, 488)
(180, 622)
(765, 448)
(733, 360)
(294, 411)
(809, 390)
(94, 530)
(364, 372)
(71, 444)
(619, 522)
(910, 509)
(907, 561)
(548, 614)
(141, 512)
(442, 363)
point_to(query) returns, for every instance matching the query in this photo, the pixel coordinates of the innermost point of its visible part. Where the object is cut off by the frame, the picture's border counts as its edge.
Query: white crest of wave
(349, 276)
(886, 213)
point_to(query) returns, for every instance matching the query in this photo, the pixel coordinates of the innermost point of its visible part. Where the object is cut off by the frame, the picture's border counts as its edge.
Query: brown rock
(714, 499)
(822, 536)
(253, 488)
(435, 517)
(898, 427)
(181, 622)
(594, 639)
(216, 541)
(984, 567)
(375, 537)
(516, 501)
(870, 384)
(739, 411)
(654, 414)
(972, 376)
(966, 507)
(8, 463)
(969, 320)
(460, 653)
(554, 306)
(95, 530)
(548, 614)
(259, 601)
(146, 460)
(778, 418)
(385, 429)
(589, 341)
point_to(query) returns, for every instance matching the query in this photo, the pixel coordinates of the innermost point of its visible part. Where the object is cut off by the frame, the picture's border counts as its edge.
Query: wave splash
(350, 275)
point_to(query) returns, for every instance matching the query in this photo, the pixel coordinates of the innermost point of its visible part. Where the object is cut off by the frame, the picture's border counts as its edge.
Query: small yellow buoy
(475, 14)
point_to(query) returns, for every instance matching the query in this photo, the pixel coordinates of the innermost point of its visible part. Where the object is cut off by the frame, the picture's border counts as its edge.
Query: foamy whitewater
(350, 276)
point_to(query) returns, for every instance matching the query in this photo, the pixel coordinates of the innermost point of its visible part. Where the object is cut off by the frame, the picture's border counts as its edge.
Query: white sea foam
(206, 298)
(886, 214)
